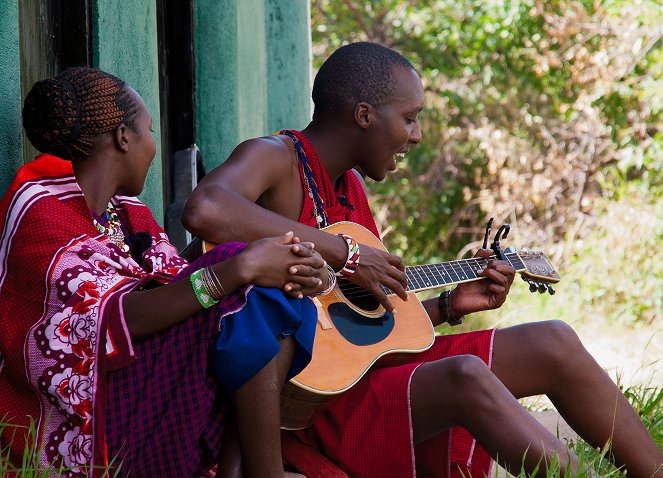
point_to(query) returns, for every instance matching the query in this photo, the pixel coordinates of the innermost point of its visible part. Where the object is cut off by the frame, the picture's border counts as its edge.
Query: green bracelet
(202, 294)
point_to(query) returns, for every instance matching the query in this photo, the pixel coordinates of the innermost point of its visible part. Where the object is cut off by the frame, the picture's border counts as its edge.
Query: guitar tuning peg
(541, 288)
(551, 289)
(532, 287)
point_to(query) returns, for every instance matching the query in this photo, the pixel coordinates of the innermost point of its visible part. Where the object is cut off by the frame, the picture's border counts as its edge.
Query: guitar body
(353, 332)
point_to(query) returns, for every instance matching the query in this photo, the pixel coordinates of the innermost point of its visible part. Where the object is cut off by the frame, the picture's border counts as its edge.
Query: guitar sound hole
(359, 297)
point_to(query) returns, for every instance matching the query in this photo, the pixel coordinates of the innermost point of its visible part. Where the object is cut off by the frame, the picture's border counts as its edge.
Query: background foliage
(544, 114)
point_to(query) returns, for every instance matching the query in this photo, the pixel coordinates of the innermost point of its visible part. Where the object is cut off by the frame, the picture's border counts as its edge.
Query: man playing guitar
(397, 418)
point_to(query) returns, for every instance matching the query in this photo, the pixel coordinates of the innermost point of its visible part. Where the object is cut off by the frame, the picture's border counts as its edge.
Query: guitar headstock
(537, 270)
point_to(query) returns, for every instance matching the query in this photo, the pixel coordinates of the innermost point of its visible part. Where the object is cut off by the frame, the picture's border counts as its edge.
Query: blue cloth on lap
(247, 339)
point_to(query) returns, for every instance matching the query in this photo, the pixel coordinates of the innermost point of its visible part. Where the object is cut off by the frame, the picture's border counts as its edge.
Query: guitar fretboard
(429, 276)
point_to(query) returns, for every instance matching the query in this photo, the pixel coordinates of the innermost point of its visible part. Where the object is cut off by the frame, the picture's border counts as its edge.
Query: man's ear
(121, 138)
(364, 114)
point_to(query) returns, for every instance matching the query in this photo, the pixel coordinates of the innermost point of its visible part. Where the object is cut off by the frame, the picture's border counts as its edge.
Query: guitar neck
(443, 274)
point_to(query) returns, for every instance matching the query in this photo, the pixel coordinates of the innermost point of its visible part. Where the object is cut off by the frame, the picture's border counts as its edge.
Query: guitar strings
(468, 267)
(433, 274)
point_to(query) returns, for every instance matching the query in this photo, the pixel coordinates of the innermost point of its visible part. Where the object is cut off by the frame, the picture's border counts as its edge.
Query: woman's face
(142, 149)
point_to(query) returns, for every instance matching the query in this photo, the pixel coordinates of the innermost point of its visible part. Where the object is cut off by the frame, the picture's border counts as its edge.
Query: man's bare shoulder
(263, 170)
(257, 163)
(275, 148)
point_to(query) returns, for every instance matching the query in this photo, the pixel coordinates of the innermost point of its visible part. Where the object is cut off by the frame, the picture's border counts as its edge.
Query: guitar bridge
(323, 320)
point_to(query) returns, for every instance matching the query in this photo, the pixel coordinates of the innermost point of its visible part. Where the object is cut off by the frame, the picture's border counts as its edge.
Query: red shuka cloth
(367, 431)
(65, 344)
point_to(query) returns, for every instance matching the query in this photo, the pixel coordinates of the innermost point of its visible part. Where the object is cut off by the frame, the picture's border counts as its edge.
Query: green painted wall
(125, 44)
(10, 94)
(289, 64)
(252, 71)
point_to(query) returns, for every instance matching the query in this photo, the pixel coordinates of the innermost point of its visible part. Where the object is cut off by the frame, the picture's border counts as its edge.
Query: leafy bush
(536, 114)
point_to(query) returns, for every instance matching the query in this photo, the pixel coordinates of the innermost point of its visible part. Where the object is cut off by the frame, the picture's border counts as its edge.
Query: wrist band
(203, 294)
(331, 279)
(352, 261)
(213, 284)
(444, 307)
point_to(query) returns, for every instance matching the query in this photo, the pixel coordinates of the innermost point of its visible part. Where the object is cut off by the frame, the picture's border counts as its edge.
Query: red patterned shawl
(61, 283)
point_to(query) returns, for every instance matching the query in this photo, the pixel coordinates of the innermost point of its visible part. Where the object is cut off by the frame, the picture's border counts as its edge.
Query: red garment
(367, 431)
(60, 287)
(350, 187)
(64, 333)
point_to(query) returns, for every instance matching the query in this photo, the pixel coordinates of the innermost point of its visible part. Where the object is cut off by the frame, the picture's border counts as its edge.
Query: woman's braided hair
(62, 115)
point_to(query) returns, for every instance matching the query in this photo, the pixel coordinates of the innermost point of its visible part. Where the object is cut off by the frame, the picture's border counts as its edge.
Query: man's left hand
(485, 294)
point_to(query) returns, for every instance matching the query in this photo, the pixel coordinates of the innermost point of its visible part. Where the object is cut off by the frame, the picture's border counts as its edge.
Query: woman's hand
(299, 286)
(285, 263)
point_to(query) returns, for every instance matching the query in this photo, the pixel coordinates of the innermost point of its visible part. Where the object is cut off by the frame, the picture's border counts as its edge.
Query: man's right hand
(377, 267)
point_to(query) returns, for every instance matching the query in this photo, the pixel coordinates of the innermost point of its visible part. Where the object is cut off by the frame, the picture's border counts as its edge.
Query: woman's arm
(268, 262)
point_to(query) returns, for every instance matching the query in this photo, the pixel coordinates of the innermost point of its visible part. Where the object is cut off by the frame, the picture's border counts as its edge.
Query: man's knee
(466, 370)
(560, 343)
(474, 387)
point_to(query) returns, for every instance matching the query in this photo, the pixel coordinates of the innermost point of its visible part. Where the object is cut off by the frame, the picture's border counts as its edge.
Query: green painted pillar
(11, 157)
(289, 64)
(126, 45)
(252, 71)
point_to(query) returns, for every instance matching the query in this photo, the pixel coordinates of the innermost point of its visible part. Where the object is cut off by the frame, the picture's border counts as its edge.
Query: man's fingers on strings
(398, 287)
(502, 270)
(396, 261)
(401, 291)
(495, 276)
(484, 253)
(384, 300)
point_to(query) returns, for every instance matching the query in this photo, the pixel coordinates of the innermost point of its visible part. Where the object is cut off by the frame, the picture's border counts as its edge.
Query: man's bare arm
(223, 206)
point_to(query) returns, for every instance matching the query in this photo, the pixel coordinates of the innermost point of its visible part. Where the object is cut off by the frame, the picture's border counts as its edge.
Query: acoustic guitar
(354, 330)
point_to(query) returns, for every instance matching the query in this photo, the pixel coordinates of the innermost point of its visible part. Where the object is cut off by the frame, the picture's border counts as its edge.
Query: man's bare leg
(462, 391)
(548, 358)
(230, 457)
(257, 413)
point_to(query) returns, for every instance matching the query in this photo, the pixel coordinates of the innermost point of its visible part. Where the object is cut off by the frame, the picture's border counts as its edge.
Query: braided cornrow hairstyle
(62, 115)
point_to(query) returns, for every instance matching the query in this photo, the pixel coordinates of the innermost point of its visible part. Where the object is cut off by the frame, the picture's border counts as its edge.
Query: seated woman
(107, 332)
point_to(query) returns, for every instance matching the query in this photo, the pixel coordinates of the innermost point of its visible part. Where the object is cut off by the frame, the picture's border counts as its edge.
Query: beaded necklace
(113, 229)
(319, 212)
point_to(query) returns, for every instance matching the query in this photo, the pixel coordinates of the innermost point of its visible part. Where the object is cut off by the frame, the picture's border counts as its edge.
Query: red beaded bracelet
(352, 262)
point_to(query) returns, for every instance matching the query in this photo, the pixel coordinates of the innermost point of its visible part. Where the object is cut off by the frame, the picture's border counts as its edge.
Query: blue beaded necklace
(321, 218)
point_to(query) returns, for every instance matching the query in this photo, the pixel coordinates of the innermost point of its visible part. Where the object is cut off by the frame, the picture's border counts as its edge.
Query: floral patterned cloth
(63, 330)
